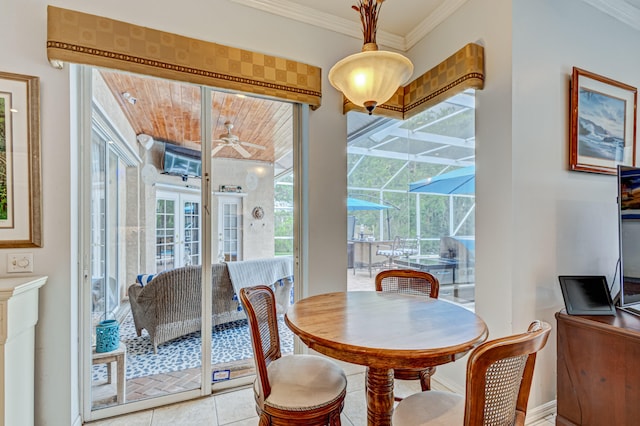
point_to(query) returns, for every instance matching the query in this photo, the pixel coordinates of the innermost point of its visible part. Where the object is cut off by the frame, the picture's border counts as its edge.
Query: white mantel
(18, 317)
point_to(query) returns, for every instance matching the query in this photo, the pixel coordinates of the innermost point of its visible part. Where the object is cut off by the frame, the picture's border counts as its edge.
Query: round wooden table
(384, 331)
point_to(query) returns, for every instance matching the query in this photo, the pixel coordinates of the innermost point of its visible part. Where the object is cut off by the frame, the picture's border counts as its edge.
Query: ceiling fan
(229, 139)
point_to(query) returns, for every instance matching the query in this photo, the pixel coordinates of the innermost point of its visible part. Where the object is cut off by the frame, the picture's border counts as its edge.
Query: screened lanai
(421, 227)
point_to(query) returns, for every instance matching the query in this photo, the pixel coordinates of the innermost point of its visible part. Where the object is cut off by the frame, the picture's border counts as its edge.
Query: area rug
(229, 342)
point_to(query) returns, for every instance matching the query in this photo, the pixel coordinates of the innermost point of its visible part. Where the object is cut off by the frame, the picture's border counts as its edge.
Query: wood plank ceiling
(169, 111)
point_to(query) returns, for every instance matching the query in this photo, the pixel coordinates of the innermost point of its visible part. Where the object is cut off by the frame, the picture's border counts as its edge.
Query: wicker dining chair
(499, 374)
(294, 389)
(410, 282)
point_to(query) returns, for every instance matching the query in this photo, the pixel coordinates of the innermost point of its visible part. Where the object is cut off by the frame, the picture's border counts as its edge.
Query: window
(283, 214)
(230, 226)
(165, 234)
(399, 218)
(177, 230)
(109, 165)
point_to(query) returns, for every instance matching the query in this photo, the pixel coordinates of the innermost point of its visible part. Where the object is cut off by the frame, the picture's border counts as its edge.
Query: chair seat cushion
(302, 382)
(430, 408)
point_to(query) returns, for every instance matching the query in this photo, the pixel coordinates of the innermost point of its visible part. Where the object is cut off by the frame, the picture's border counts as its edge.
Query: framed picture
(20, 179)
(603, 123)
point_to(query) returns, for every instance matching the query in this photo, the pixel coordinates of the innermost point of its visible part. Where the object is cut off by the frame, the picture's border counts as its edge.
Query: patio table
(364, 254)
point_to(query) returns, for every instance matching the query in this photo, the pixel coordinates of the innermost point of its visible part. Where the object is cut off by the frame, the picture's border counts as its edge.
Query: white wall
(24, 52)
(56, 372)
(565, 222)
(488, 23)
(535, 219)
(258, 235)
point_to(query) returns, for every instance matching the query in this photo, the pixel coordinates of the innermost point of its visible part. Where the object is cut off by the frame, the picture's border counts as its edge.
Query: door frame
(81, 96)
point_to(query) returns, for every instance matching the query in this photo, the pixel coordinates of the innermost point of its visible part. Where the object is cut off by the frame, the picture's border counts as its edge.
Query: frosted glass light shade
(371, 77)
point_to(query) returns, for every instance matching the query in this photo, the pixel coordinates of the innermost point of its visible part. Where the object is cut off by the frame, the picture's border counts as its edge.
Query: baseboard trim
(539, 414)
(77, 421)
(441, 383)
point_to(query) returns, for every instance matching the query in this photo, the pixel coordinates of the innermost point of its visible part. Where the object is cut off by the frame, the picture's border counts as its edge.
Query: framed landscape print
(20, 180)
(603, 123)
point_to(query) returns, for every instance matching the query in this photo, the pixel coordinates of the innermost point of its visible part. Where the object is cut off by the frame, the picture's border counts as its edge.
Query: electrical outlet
(22, 262)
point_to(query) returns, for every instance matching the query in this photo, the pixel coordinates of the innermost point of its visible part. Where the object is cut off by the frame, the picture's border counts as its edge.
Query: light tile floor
(237, 408)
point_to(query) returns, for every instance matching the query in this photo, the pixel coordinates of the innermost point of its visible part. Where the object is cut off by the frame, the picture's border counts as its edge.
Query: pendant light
(371, 77)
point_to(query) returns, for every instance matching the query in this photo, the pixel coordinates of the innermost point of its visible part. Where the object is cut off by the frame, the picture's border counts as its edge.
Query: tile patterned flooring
(237, 407)
(104, 394)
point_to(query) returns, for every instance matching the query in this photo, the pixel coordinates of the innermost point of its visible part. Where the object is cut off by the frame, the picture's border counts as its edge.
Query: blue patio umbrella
(358, 204)
(458, 182)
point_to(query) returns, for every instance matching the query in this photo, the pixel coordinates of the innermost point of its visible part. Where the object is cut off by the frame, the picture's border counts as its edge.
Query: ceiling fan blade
(215, 150)
(253, 145)
(241, 150)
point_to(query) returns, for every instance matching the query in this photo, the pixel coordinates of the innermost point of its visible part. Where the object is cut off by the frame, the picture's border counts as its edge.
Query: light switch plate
(21, 262)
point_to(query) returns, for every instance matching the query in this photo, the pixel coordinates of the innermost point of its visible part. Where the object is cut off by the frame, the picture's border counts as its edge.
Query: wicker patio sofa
(169, 306)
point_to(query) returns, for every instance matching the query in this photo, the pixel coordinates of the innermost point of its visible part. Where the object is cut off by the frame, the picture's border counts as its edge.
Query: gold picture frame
(20, 168)
(603, 123)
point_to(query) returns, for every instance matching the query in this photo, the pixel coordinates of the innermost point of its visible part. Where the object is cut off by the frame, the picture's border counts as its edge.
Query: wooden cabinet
(18, 317)
(598, 374)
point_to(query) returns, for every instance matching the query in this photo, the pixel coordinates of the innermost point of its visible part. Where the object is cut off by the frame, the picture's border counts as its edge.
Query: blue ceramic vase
(107, 336)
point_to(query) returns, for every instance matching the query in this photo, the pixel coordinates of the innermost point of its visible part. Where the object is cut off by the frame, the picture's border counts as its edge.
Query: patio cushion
(143, 279)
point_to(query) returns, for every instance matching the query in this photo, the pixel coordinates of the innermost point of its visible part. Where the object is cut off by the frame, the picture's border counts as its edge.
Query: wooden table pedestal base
(379, 396)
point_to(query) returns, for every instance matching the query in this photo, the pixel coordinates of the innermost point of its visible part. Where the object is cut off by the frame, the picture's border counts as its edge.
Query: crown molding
(438, 16)
(292, 10)
(620, 10)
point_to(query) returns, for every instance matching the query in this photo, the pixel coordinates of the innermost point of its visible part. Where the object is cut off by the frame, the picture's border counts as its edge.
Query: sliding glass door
(159, 244)
(251, 152)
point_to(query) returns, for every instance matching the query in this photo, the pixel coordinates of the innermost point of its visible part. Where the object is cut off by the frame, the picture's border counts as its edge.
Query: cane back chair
(295, 389)
(499, 375)
(410, 282)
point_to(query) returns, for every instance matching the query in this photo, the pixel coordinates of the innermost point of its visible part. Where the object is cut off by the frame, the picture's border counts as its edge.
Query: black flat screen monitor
(586, 295)
(181, 161)
(629, 234)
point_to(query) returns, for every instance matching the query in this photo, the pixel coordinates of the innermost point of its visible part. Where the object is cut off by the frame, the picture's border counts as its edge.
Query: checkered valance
(461, 71)
(93, 40)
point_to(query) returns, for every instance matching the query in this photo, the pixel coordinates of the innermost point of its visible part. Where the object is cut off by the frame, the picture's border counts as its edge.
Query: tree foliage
(283, 218)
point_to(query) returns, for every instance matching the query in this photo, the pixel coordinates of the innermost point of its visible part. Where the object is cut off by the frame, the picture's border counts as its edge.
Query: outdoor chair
(294, 389)
(419, 283)
(499, 374)
(392, 251)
